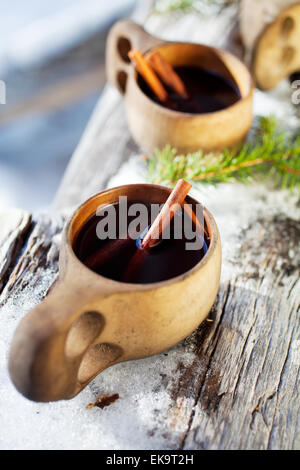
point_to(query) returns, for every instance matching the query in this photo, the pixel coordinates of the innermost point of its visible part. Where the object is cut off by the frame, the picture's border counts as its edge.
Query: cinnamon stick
(147, 73)
(166, 72)
(161, 222)
(167, 213)
(114, 248)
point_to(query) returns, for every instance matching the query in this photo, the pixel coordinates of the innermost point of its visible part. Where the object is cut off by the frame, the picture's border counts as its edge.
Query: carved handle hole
(123, 47)
(287, 27)
(83, 332)
(122, 81)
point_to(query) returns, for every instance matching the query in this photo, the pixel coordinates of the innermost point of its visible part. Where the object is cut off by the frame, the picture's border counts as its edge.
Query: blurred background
(52, 64)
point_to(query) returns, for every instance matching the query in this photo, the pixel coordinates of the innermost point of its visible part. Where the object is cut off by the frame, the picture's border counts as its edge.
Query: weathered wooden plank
(247, 397)
(38, 253)
(14, 225)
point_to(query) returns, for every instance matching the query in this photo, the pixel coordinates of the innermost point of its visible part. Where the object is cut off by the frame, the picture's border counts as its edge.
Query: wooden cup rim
(71, 231)
(182, 114)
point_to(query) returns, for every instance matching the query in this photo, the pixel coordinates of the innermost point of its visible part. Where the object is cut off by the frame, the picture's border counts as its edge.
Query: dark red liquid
(167, 259)
(208, 91)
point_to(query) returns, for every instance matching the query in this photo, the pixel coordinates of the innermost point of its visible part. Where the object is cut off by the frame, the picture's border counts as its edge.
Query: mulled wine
(208, 91)
(110, 257)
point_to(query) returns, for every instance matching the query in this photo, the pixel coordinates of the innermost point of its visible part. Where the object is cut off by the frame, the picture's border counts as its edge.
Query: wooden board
(14, 225)
(234, 383)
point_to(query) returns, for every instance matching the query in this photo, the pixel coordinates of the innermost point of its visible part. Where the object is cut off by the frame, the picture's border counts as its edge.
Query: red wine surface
(167, 259)
(208, 91)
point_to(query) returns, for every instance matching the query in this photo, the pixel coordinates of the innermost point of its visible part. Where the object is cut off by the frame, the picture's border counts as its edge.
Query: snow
(142, 405)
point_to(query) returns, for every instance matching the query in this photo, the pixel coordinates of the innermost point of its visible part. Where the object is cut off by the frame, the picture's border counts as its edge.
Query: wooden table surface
(234, 383)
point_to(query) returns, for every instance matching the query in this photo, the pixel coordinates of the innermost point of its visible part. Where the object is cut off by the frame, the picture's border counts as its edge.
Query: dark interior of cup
(177, 253)
(213, 78)
(197, 55)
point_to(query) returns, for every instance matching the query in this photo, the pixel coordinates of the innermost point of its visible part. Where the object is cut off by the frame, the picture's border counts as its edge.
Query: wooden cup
(88, 322)
(276, 54)
(154, 126)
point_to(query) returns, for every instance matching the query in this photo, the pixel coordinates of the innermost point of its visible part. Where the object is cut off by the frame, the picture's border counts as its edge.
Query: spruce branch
(271, 153)
(167, 6)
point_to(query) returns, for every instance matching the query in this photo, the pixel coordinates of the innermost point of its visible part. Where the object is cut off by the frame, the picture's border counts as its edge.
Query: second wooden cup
(152, 125)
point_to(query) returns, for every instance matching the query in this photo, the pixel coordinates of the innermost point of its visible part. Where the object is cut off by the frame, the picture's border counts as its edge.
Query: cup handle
(50, 343)
(123, 36)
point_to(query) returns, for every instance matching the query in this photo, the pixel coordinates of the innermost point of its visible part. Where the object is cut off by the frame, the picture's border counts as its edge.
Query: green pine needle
(271, 153)
(173, 5)
(167, 6)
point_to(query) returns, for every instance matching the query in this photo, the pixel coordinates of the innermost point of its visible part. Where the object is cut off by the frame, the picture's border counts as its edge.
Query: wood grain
(245, 396)
(36, 253)
(14, 225)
